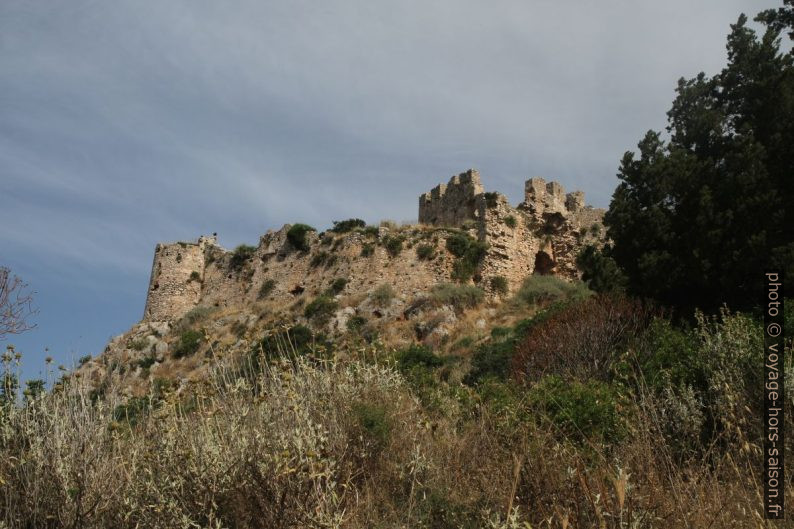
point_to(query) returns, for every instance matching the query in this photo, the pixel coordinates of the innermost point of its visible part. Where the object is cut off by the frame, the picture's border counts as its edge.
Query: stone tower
(177, 276)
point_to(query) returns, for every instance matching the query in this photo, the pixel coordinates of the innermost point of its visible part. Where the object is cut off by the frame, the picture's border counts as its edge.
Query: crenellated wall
(453, 203)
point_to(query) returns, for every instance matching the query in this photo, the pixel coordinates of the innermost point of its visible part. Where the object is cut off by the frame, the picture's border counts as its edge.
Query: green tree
(697, 218)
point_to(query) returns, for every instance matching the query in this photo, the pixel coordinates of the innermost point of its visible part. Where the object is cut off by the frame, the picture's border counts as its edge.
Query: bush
(344, 226)
(374, 421)
(138, 345)
(189, 342)
(267, 287)
(383, 295)
(510, 221)
(195, 316)
(296, 236)
(356, 323)
(490, 199)
(583, 411)
(321, 309)
(459, 296)
(499, 285)
(426, 252)
(146, 362)
(241, 255)
(194, 276)
(417, 355)
(599, 271)
(583, 339)
(337, 286)
(469, 253)
(538, 289)
(84, 360)
(393, 244)
(367, 249)
(318, 259)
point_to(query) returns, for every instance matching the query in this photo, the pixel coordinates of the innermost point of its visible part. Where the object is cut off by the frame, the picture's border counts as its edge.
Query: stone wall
(176, 279)
(451, 204)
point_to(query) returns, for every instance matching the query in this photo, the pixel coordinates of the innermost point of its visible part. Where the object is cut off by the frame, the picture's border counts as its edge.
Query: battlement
(542, 197)
(453, 203)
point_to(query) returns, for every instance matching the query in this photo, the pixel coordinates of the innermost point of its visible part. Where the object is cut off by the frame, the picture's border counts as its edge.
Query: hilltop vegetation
(631, 399)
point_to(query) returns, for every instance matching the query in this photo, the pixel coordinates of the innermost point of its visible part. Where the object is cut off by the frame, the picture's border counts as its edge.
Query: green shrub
(195, 316)
(393, 244)
(241, 255)
(296, 236)
(189, 342)
(194, 276)
(372, 231)
(338, 285)
(367, 249)
(499, 285)
(426, 252)
(459, 296)
(138, 345)
(318, 259)
(490, 199)
(583, 411)
(469, 253)
(267, 287)
(356, 323)
(320, 309)
(417, 355)
(84, 360)
(146, 362)
(538, 289)
(600, 271)
(382, 296)
(343, 226)
(374, 421)
(133, 411)
(510, 221)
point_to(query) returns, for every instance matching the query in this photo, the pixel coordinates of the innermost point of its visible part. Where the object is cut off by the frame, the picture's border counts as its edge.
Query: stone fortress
(541, 235)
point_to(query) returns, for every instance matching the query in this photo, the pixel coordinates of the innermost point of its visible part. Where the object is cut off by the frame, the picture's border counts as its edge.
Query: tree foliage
(696, 218)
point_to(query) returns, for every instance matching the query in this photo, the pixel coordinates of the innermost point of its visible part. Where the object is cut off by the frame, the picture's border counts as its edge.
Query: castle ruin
(541, 235)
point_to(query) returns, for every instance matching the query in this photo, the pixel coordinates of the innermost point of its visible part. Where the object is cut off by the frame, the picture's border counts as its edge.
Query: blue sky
(126, 123)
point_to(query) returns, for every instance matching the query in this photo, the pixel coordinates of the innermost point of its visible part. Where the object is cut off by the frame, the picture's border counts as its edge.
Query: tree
(16, 304)
(697, 218)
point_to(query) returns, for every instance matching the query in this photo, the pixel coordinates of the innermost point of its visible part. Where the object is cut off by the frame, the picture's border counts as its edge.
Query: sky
(127, 123)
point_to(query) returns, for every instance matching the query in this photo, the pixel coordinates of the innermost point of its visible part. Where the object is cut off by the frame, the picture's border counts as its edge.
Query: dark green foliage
(426, 252)
(194, 276)
(371, 231)
(510, 221)
(469, 253)
(499, 285)
(694, 220)
(343, 226)
(490, 199)
(146, 362)
(320, 309)
(585, 411)
(133, 411)
(337, 286)
(600, 271)
(241, 255)
(459, 296)
(393, 244)
(374, 420)
(318, 259)
(84, 360)
(298, 340)
(267, 287)
(367, 249)
(296, 236)
(458, 243)
(417, 355)
(138, 345)
(189, 342)
(356, 323)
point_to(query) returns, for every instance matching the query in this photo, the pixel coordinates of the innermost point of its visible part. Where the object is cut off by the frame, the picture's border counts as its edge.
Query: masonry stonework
(541, 235)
